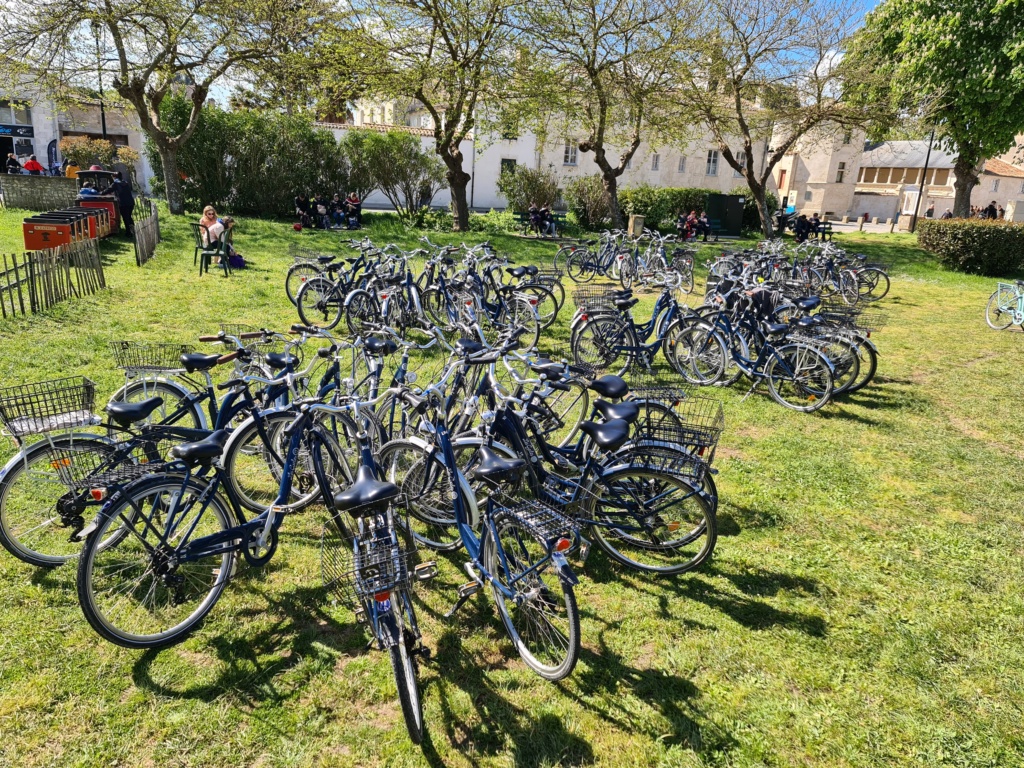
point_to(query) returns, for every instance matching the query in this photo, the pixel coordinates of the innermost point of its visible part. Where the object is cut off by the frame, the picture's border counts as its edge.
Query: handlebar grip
(211, 338)
(252, 335)
(560, 386)
(298, 328)
(227, 358)
(230, 383)
(290, 429)
(326, 352)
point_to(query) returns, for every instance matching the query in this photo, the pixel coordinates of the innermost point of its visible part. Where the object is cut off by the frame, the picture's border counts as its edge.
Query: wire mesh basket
(47, 406)
(300, 253)
(262, 346)
(123, 474)
(148, 357)
(590, 297)
(673, 417)
(355, 569)
(854, 318)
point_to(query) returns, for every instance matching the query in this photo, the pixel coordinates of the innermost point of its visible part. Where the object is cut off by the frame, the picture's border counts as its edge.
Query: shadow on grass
(299, 624)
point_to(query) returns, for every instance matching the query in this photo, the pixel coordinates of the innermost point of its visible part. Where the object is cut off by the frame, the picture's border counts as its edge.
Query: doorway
(6, 147)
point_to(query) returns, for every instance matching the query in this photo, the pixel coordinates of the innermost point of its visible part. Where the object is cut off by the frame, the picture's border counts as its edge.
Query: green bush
(434, 219)
(660, 206)
(522, 186)
(991, 248)
(587, 201)
(494, 222)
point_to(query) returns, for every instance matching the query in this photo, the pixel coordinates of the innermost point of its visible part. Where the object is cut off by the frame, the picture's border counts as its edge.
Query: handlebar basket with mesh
(356, 570)
(300, 253)
(48, 406)
(591, 297)
(259, 347)
(854, 318)
(146, 357)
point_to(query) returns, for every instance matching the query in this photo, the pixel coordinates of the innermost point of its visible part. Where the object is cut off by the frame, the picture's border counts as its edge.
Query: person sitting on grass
(354, 207)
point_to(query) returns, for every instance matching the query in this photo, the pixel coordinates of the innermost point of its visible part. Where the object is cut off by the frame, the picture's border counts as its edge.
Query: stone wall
(37, 193)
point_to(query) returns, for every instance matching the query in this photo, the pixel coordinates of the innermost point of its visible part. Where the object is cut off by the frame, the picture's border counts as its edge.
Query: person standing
(991, 212)
(13, 166)
(930, 211)
(71, 170)
(1001, 212)
(125, 202)
(33, 166)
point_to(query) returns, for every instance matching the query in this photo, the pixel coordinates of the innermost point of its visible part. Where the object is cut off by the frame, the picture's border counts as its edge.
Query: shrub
(83, 151)
(522, 186)
(434, 220)
(661, 205)
(494, 222)
(991, 248)
(408, 176)
(587, 201)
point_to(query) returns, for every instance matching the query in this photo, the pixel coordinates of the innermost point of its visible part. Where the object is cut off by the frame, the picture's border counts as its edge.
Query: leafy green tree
(523, 186)
(145, 49)
(353, 147)
(949, 66)
(764, 74)
(587, 199)
(408, 176)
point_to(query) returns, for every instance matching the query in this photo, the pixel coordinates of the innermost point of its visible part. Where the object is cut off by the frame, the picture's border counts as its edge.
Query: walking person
(33, 166)
(13, 166)
(125, 202)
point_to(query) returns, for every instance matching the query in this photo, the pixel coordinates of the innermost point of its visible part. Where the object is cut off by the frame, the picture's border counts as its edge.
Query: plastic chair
(204, 253)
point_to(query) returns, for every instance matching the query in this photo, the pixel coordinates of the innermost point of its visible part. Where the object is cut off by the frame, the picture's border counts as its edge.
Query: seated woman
(213, 228)
(354, 207)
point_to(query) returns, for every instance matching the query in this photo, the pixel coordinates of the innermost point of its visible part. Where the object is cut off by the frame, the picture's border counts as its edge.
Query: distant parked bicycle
(1006, 306)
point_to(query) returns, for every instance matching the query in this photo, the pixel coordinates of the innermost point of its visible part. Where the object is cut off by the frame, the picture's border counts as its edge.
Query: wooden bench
(523, 220)
(824, 231)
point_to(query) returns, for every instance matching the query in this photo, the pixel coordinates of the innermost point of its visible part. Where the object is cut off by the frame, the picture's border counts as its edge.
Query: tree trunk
(172, 179)
(611, 189)
(458, 180)
(760, 194)
(965, 179)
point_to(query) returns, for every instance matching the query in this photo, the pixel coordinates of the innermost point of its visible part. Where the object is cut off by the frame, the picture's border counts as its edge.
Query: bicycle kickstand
(750, 391)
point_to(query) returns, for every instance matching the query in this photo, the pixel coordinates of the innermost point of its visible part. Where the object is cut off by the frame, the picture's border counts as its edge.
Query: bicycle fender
(565, 573)
(31, 450)
(352, 294)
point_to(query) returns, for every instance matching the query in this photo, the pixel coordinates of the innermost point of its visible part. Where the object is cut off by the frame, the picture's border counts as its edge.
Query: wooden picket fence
(37, 280)
(147, 234)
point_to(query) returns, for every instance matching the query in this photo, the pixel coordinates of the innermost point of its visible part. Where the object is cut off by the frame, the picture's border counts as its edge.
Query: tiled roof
(380, 127)
(999, 168)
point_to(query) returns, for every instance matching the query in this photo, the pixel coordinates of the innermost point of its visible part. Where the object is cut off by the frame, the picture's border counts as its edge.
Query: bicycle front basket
(47, 406)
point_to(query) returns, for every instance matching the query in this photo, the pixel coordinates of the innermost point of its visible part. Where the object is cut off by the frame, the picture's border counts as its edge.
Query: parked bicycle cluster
(801, 326)
(430, 425)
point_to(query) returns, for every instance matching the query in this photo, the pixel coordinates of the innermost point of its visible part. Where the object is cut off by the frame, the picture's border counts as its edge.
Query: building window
(682, 164)
(847, 137)
(507, 166)
(840, 173)
(941, 177)
(1022, 187)
(712, 166)
(426, 121)
(655, 161)
(995, 185)
(808, 196)
(13, 114)
(742, 157)
(570, 156)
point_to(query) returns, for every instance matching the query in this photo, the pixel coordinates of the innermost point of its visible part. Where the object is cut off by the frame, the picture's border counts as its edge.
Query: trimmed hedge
(978, 246)
(661, 205)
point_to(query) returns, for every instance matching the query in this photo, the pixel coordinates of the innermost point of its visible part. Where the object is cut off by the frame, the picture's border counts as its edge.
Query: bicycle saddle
(494, 468)
(624, 304)
(808, 303)
(468, 347)
(131, 413)
(610, 386)
(611, 435)
(208, 448)
(516, 271)
(377, 346)
(773, 328)
(278, 361)
(366, 495)
(549, 368)
(325, 259)
(196, 361)
(626, 410)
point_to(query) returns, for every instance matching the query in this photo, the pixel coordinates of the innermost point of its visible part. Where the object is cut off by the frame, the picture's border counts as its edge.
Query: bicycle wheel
(254, 465)
(867, 359)
(403, 664)
(872, 284)
(799, 377)
(554, 285)
(652, 520)
(999, 310)
(144, 591)
(362, 313)
(435, 306)
(579, 266)
(563, 412)
(547, 304)
(696, 352)
(174, 397)
(35, 483)
(684, 266)
(298, 275)
(842, 353)
(600, 341)
(319, 302)
(627, 272)
(542, 618)
(422, 477)
(849, 289)
(519, 312)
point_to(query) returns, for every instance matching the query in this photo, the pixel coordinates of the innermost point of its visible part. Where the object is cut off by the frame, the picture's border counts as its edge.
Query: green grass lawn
(863, 607)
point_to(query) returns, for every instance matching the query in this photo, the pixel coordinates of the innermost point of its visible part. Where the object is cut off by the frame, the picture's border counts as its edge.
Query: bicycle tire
(173, 395)
(320, 303)
(994, 313)
(362, 313)
(131, 548)
(43, 541)
(868, 359)
(578, 267)
(403, 665)
(298, 275)
(873, 284)
(809, 377)
(547, 304)
(598, 342)
(540, 599)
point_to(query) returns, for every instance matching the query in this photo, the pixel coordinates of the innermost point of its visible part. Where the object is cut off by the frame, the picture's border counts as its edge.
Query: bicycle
(1005, 306)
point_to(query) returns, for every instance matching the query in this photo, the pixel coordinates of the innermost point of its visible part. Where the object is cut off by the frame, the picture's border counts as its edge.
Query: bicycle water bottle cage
(367, 495)
(495, 469)
(610, 436)
(610, 386)
(125, 414)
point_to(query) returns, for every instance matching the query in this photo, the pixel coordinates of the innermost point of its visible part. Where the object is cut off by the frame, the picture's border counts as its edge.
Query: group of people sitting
(691, 226)
(542, 220)
(319, 212)
(804, 227)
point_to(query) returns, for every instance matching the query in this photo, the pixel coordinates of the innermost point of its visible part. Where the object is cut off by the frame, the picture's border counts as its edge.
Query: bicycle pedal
(584, 549)
(360, 616)
(425, 571)
(468, 590)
